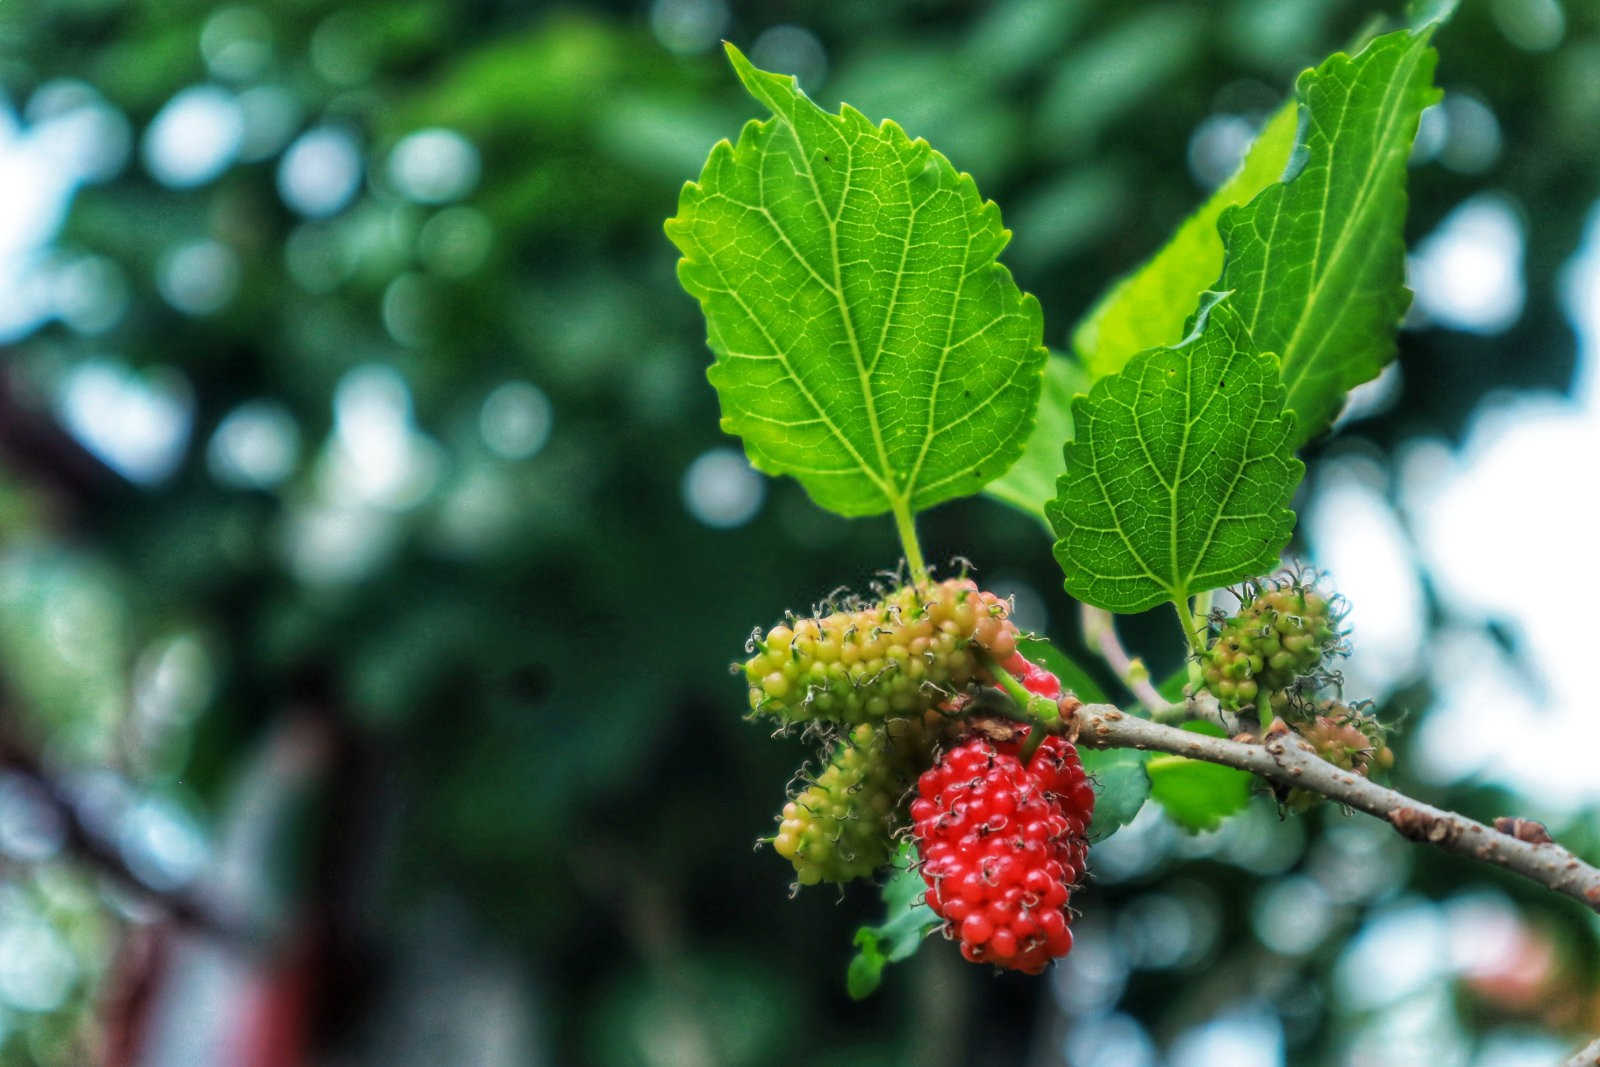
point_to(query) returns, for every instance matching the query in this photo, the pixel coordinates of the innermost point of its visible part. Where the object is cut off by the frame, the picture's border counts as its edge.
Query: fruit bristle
(897, 657)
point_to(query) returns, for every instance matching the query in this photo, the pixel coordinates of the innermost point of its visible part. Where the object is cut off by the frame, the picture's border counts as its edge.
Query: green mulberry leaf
(1145, 309)
(908, 920)
(1121, 786)
(1180, 474)
(1197, 795)
(867, 341)
(1149, 306)
(1316, 263)
(1032, 479)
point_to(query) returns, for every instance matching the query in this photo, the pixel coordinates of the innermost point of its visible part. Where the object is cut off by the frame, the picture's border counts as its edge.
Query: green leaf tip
(1152, 305)
(767, 87)
(1180, 474)
(1317, 261)
(1331, 335)
(867, 340)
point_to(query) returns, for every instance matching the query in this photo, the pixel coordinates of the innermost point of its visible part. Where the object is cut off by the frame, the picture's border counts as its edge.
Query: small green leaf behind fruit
(1172, 685)
(1120, 783)
(1032, 479)
(908, 920)
(1198, 795)
(1121, 787)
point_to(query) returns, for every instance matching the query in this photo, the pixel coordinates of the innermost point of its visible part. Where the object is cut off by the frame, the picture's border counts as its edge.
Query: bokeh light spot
(90, 294)
(1292, 915)
(792, 50)
(255, 446)
(1472, 133)
(236, 43)
(199, 277)
(1217, 146)
(138, 424)
(434, 166)
(1109, 1041)
(515, 420)
(78, 131)
(1467, 274)
(320, 172)
(37, 968)
(408, 311)
(193, 137)
(376, 457)
(688, 26)
(1359, 541)
(1531, 25)
(344, 48)
(31, 828)
(1249, 1034)
(1400, 950)
(162, 844)
(455, 242)
(722, 490)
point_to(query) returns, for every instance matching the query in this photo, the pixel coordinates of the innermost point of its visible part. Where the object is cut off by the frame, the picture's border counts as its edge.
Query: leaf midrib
(1390, 111)
(1177, 586)
(897, 497)
(778, 353)
(1093, 426)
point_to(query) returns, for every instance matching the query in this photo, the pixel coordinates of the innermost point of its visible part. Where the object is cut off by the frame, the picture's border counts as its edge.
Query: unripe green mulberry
(842, 825)
(1281, 635)
(895, 658)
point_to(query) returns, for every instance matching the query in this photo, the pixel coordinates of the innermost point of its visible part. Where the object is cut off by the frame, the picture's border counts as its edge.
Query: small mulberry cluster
(1343, 736)
(1281, 636)
(1348, 738)
(895, 658)
(841, 826)
(1002, 845)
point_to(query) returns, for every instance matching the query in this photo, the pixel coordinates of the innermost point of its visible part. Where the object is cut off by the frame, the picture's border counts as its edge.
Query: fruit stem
(1008, 681)
(906, 525)
(1030, 745)
(1039, 712)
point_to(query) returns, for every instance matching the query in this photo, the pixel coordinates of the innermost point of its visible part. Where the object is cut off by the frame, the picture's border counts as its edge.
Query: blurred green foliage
(520, 654)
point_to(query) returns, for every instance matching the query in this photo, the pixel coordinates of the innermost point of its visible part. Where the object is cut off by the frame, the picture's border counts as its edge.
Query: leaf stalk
(906, 525)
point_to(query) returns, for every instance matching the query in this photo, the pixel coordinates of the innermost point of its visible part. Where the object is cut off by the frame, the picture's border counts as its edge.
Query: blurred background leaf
(372, 560)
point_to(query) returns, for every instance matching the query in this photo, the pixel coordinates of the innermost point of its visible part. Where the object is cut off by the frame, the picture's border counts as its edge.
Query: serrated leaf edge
(908, 497)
